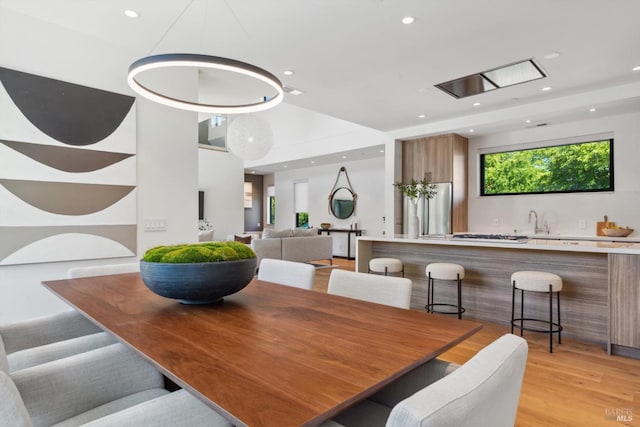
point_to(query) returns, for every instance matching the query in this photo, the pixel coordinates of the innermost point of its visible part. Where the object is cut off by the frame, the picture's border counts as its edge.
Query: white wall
(167, 178)
(221, 176)
(563, 211)
(299, 133)
(367, 178)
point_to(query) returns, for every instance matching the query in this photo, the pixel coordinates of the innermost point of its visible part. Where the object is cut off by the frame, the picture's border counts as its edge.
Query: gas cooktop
(506, 238)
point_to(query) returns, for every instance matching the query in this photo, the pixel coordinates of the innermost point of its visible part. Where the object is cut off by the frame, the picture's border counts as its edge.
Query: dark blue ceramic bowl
(198, 283)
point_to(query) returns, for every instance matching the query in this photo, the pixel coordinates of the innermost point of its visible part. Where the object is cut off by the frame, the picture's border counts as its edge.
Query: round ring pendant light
(203, 63)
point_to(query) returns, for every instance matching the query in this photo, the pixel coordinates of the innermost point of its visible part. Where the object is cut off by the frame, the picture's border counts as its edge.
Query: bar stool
(444, 271)
(386, 266)
(537, 281)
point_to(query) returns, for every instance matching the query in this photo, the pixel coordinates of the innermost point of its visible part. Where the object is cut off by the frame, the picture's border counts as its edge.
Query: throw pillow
(270, 233)
(302, 232)
(242, 239)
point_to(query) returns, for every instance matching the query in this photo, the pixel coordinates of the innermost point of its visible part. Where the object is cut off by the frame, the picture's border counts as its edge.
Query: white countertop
(539, 242)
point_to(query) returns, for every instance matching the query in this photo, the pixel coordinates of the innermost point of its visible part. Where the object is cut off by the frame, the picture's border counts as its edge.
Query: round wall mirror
(342, 203)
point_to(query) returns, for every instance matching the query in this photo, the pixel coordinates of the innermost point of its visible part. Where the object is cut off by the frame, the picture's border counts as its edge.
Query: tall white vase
(414, 222)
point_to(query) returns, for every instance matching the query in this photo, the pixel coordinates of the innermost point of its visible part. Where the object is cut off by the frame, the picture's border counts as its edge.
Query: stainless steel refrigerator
(434, 214)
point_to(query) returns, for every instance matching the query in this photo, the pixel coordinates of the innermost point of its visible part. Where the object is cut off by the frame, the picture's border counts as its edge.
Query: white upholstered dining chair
(108, 386)
(483, 392)
(103, 270)
(43, 339)
(388, 290)
(34, 341)
(297, 274)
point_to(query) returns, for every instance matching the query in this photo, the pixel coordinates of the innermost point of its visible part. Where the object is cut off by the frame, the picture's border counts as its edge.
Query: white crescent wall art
(67, 171)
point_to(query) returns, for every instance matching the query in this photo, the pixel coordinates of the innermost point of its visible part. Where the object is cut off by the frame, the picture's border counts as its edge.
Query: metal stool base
(515, 324)
(430, 309)
(430, 304)
(519, 322)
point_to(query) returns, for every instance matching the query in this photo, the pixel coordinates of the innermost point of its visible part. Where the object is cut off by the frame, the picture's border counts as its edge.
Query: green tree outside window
(579, 167)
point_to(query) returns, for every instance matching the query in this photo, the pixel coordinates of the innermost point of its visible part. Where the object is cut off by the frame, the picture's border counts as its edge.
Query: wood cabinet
(441, 158)
(624, 297)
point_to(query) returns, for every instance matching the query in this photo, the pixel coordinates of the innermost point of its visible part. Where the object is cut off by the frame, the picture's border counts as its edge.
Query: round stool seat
(388, 265)
(445, 271)
(536, 281)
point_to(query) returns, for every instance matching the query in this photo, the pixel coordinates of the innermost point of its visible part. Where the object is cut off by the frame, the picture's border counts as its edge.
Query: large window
(567, 168)
(302, 219)
(301, 203)
(271, 206)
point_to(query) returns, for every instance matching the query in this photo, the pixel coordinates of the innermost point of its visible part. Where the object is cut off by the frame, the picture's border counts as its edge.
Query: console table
(355, 233)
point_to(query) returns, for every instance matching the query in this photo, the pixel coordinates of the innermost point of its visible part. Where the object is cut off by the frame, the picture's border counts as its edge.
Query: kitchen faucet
(536, 229)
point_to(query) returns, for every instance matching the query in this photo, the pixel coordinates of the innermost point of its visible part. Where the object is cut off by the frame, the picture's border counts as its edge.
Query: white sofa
(298, 245)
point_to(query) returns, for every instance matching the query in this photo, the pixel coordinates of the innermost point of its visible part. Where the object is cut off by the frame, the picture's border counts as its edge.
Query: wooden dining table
(269, 355)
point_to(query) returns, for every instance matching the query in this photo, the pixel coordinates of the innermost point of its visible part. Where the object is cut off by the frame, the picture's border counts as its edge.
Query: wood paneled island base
(269, 355)
(586, 271)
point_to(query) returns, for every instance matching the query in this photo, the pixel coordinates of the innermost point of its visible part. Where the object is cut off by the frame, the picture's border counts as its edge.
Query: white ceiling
(356, 61)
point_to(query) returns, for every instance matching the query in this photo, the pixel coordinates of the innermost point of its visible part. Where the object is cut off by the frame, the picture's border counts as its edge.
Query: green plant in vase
(415, 190)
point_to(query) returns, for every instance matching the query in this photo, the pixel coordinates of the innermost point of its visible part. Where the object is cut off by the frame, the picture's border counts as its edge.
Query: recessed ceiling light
(289, 72)
(131, 13)
(527, 121)
(421, 116)
(475, 104)
(471, 130)
(344, 157)
(313, 162)
(382, 151)
(253, 171)
(292, 90)
(592, 110)
(551, 55)
(636, 68)
(408, 20)
(546, 88)
(285, 166)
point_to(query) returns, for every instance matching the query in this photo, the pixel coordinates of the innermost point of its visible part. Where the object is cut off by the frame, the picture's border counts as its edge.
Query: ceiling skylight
(507, 75)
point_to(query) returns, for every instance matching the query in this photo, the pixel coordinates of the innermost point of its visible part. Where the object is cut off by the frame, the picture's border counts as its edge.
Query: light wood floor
(577, 385)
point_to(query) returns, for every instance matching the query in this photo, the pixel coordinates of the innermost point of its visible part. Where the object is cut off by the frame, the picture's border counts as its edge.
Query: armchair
(86, 386)
(483, 392)
(44, 339)
(103, 387)
(31, 342)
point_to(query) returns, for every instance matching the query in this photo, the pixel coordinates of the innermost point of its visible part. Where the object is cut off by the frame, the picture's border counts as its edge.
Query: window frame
(549, 144)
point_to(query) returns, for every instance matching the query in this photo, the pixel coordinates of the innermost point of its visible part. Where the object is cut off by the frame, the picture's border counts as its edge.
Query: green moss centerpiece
(198, 273)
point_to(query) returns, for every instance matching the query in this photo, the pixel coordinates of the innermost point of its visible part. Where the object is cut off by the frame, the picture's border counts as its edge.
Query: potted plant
(415, 190)
(198, 273)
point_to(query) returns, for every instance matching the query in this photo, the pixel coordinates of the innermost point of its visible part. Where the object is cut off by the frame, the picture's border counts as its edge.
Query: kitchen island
(600, 299)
